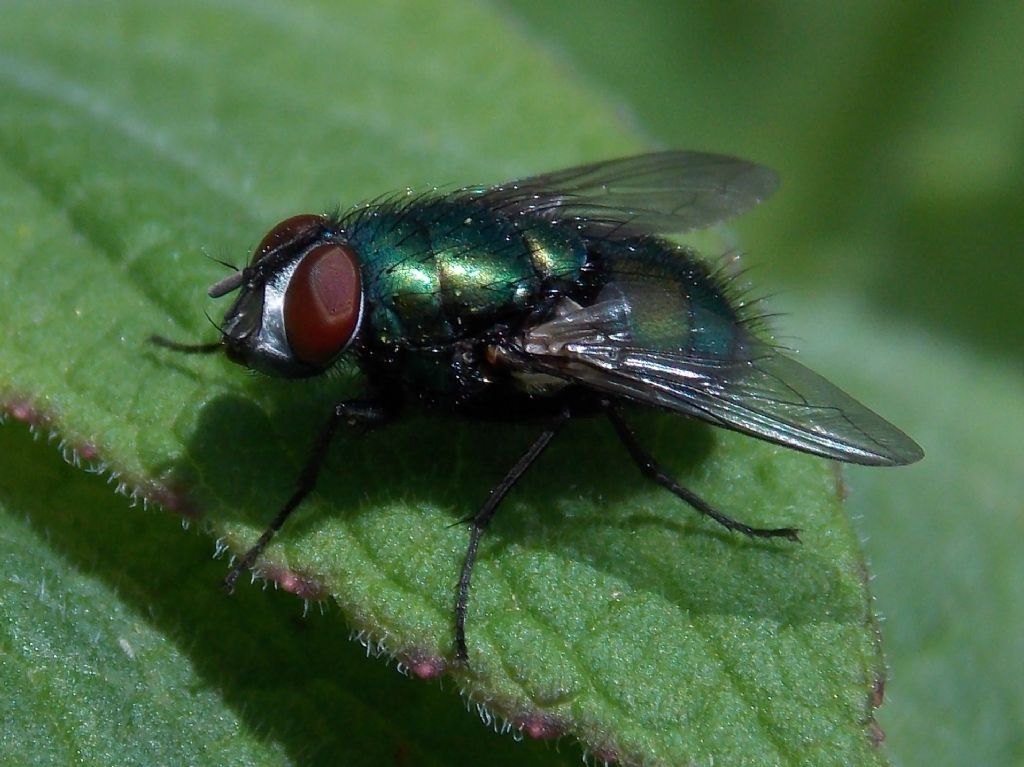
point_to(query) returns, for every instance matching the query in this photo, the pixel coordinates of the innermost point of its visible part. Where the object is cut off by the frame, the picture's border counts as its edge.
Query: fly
(555, 296)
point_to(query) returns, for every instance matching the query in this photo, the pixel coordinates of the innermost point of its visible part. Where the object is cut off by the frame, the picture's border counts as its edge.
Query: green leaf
(134, 138)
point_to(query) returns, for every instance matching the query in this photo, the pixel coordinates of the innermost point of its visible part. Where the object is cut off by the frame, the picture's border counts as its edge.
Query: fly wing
(757, 391)
(663, 192)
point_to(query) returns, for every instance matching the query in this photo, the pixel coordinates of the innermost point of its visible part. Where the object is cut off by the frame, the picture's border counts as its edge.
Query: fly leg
(356, 413)
(480, 520)
(651, 469)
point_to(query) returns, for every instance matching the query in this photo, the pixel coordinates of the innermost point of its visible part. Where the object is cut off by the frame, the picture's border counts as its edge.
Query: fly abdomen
(673, 301)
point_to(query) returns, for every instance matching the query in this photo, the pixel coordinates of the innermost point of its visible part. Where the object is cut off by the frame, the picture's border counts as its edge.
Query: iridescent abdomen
(674, 302)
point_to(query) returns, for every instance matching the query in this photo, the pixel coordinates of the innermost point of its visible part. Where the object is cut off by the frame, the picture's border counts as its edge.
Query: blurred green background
(898, 130)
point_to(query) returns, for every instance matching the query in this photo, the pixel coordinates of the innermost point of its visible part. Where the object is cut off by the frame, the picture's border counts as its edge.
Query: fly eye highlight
(295, 230)
(323, 304)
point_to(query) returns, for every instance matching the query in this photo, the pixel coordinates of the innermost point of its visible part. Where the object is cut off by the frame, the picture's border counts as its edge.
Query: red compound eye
(295, 229)
(322, 303)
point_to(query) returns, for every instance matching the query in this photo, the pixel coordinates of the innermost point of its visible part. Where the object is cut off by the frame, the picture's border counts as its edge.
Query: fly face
(301, 301)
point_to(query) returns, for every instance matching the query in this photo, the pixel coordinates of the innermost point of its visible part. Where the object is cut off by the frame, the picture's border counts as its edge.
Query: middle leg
(480, 520)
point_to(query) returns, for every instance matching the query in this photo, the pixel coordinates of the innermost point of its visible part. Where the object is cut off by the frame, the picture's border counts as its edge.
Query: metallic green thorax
(437, 271)
(442, 270)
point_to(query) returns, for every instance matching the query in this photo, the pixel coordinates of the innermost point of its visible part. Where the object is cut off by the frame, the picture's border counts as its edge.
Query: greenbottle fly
(555, 296)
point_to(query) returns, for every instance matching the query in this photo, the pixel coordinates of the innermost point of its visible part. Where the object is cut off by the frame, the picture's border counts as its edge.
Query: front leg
(366, 414)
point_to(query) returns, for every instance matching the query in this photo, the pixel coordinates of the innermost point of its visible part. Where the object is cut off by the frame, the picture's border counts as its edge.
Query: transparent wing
(759, 391)
(662, 192)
